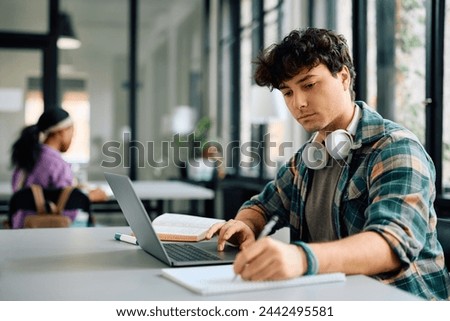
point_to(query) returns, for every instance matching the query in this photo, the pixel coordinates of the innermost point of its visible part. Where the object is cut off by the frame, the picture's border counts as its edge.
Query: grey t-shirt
(320, 201)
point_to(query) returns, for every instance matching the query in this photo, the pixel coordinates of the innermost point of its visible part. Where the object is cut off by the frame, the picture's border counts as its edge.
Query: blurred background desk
(157, 196)
(5, 195)
(88, 264)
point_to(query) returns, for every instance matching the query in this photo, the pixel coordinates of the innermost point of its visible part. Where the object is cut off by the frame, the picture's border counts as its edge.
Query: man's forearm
(365, 253)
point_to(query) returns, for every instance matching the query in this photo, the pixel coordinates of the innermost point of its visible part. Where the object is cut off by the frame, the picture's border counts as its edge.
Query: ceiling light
(67, 38)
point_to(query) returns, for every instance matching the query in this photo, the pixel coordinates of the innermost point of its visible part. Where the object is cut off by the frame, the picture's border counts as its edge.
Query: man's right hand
(233, 231)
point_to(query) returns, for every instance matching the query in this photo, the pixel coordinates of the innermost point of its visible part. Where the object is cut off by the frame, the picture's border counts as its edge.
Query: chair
(443, 232)
(23, 200)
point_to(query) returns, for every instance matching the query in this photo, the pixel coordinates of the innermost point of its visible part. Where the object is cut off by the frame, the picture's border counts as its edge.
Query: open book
(219, 279)
(182, 227)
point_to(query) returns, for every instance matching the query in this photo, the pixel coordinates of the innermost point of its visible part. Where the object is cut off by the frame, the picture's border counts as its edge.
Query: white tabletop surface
(5, 190)
(146, 190)
(88, 264)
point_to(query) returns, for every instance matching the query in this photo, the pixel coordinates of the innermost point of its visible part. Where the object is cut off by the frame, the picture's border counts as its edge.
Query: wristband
(312, 265)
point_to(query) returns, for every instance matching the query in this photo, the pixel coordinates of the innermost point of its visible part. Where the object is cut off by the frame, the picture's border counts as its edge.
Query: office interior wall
(170, 51)
(24, 16)
(169, 57)
(102, 61)
(15, 67)
(295, 17)
(102, 58)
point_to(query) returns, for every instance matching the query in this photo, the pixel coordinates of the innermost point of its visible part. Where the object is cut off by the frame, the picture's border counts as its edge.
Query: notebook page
(184, 220)
(219, 279)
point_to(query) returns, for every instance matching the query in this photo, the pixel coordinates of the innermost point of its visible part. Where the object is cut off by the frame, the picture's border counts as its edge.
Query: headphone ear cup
(315, 156)
(339, 144)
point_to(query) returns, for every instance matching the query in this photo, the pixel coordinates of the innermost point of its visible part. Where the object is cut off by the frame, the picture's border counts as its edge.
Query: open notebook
(219, 279)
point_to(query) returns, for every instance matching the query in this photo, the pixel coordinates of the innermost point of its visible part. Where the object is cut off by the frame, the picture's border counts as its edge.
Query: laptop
(172, 253)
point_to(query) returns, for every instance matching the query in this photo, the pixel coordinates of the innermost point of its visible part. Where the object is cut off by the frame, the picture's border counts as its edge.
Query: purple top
(51, 170)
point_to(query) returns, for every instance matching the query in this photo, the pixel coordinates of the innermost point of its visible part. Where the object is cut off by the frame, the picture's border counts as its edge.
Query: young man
(358, 197)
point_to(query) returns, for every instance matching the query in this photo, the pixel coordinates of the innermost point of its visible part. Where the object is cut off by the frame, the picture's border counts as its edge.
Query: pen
(268, 227)
(265, 231)
(125, 238)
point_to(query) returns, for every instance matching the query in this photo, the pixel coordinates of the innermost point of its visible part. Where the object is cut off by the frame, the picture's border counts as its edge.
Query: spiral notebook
(209, 280)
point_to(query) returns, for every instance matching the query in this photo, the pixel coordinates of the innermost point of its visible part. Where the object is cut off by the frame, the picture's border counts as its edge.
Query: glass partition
(396, 62)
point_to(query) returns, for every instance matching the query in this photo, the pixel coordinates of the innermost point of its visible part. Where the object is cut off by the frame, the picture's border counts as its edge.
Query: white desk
(88, 264)
(147, 191)
(5, 191)
(156, 194)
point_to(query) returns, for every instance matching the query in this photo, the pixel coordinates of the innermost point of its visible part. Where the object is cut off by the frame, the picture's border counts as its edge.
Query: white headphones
(338, 144)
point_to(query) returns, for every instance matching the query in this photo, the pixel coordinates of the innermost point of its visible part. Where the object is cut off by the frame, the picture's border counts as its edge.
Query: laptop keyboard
(185, 253)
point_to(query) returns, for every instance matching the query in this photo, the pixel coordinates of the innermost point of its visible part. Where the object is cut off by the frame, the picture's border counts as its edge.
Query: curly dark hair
(305, 48)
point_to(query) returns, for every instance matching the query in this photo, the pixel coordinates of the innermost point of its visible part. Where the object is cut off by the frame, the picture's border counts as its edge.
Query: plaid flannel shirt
(386, 186)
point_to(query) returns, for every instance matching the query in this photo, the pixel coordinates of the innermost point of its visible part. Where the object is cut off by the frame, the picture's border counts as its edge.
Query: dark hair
(26, 150)
(301, 49)
(50, 118)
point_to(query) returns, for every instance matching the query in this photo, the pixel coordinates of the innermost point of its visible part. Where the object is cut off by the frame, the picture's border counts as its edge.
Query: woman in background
(36, 157)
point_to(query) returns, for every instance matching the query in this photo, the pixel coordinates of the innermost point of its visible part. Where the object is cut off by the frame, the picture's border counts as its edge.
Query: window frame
(435, 22)
(47, 44)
